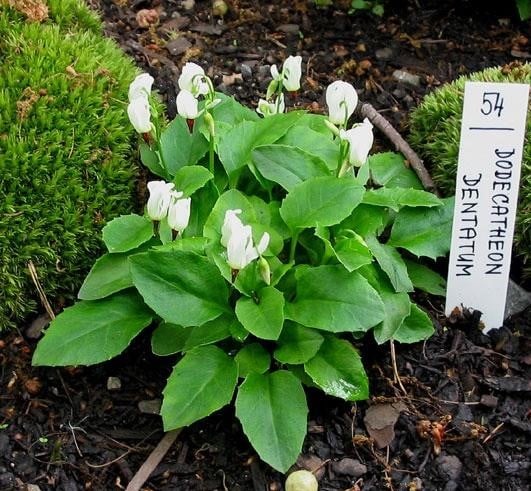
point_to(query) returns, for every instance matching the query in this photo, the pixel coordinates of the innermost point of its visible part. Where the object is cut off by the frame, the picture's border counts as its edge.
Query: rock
(246, 71)
(407, 78)
(384, 54)
(289, 28)
(208, 29)
(114, 383)
(489, 400)
(349, 467)
(449, 466)
(178, 46)
(517, 301)
(150, 406)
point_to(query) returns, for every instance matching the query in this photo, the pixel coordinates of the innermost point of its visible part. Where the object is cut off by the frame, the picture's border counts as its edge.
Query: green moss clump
(65, 147)
(435, 132)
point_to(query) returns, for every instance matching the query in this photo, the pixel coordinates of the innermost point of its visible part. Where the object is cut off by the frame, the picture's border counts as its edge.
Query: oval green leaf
(127, 232)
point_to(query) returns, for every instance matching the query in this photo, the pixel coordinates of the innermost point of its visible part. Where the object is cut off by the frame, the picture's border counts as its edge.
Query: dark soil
(459, 417)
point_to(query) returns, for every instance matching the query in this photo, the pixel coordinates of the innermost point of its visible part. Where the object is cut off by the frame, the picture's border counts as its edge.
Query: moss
(65, 143)
(435, 130)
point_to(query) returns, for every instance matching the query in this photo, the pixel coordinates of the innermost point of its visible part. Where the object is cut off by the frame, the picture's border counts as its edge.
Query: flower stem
(211, 154)
(293, 246)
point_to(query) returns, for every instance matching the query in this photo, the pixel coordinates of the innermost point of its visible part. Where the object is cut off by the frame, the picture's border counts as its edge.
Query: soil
(457, 416)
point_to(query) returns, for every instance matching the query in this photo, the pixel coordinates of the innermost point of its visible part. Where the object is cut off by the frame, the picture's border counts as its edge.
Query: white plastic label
(488, 176)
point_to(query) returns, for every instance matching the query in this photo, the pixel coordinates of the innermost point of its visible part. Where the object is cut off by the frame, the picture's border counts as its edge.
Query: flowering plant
(268, 246)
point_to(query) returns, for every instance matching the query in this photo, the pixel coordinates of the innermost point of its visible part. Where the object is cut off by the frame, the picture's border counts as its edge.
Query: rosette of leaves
(341, 262)
(65, 146)
(435, 132)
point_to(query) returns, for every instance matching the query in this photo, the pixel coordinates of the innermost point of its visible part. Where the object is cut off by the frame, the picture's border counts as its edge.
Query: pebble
(178, 46)
(384, 54)
(406, 77)
(349, 467)
(150, 406)
(489, 400)
(449, 466)
(114, 383)
(246, 71)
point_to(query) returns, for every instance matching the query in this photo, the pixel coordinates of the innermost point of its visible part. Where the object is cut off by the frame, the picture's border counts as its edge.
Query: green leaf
(365, 220)
(168, 339)
(110, 274)
(191, 178)
(424, 232)
(180, 147)
(235, 149)
(396, 198)
(252, 358)
(337, 368)
(352, 252)
(397, 308)
(231, 112)
(93, 331)
(524, 9)
(313, 142)
(332, 299)
(151, 160)
(426, 279)
(182, 287)
(287, 166)
(321, 201)
(263, 315)
(297, 344)
(273, 412)
(389, 169)
(416, 327)
(203, 200)
(127, 232)
(391, 263)
(201, 383)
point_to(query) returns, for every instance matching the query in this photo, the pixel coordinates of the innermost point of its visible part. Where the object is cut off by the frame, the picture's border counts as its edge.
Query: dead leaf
(380, 422)
(34, 10)
(147, 17)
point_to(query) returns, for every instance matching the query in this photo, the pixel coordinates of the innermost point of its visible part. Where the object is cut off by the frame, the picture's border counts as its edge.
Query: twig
(366, 110)
(493, 432)
(395, 368)
(42, 294)
(153, 460)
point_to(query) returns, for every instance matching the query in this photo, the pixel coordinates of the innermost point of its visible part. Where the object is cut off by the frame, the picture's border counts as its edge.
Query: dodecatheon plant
(160, 196)
(140, 115)
(238, 239)
(269, 108)
(360, 139)
(178, 211)
(140, 86)
(341, 99)
(187, 105)
(193, 79)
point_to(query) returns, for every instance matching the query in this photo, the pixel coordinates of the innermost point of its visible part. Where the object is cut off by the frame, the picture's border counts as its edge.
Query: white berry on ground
(301, 481)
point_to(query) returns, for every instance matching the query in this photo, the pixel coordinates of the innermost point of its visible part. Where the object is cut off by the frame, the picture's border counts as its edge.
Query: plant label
(488, 176)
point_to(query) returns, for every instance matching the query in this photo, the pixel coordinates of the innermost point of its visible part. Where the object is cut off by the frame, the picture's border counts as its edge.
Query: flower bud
(178, 211)
(291, 70)
(265, 270)
(140, 86)
(341, 99)
(269, 108)
(192, 79)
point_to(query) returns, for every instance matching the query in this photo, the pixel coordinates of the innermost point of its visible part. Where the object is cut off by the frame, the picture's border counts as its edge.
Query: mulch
(457, 416)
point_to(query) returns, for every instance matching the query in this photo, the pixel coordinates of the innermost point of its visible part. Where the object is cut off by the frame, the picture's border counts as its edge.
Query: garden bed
(462, 402)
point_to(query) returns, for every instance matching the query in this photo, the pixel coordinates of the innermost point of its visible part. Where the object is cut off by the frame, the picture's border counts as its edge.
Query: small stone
(449, 466)
(246, 71)
(178, 46)
(349, 467)
(114, 383)
(384, 54)
(406, 77)
(289, 28)
(150, 406)
(489, 400)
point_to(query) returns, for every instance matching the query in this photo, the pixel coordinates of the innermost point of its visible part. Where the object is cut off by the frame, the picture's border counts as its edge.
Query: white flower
(192, 79)
(187, 105)
(178, 211)
(160, 195)
(139, 114)
(275, 73)
(238, 239)
(341, 99)
(269, 108)
(291, 69)
(360, 139)
(140, 86)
